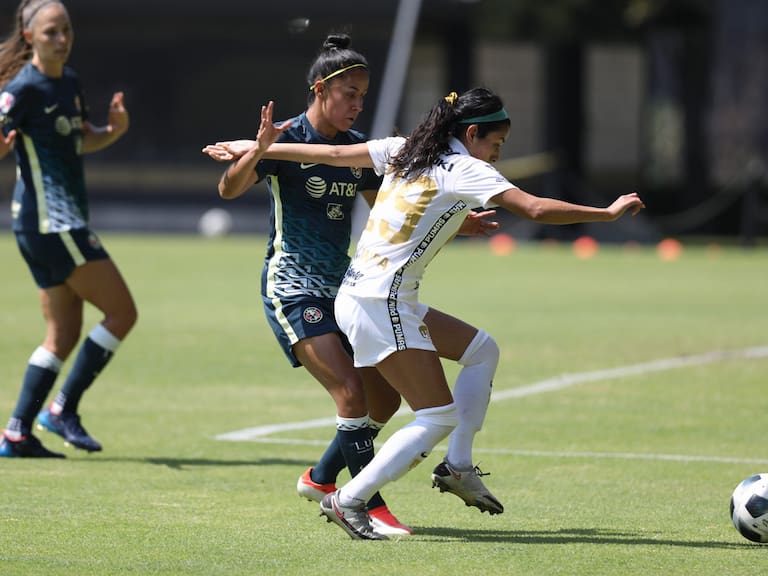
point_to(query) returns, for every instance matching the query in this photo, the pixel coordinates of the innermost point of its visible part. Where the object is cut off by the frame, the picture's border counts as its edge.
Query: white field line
(554, 453)
(261, 433)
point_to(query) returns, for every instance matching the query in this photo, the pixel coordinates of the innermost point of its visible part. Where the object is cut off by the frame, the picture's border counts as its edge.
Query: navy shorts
(52, 257)
(298, 318)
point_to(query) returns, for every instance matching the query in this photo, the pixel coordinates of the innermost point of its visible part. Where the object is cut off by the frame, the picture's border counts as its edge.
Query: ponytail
(450, 117)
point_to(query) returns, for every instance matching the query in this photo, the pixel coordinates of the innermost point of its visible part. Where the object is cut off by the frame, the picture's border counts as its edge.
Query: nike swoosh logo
(49, 109)
(305, 166)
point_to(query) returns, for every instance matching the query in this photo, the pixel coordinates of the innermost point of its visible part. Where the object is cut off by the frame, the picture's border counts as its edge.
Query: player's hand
(268, 131)
(625, 202)
(6, 143)
(228, 150)
(117, 118)
(476, 224)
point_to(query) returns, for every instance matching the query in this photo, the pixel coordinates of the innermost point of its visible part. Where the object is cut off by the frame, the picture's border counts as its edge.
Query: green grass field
(617, 473)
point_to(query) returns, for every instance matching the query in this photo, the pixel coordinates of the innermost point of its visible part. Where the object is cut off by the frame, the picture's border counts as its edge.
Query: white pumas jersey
(411, 221)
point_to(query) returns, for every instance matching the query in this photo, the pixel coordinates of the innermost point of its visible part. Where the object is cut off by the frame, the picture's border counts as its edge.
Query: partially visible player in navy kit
(45, 120)
(307, 255)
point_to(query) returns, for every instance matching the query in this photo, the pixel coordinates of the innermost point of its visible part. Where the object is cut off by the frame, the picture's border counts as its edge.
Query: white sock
(375, 425)
(405, 449)
(104, 338)
(471, 393)
(44, 358)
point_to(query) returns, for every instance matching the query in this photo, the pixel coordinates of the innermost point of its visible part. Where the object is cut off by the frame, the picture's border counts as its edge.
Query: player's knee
(441, 419)
(131, 317)
(382, 410)
(121, 321)
(128, 317)
(434, 424)
(350, 401)
(481, 350)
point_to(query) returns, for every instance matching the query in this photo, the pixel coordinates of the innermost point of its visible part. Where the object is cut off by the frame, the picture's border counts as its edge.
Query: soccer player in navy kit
(45, 120)
(307, 255)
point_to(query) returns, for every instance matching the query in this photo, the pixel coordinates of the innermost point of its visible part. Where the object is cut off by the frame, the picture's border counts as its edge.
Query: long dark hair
(335, 55)
(431, 137)
(15, 52)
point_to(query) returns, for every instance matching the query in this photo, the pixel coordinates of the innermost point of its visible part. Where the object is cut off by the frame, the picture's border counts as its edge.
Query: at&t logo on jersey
(317, 187)
(312, 315)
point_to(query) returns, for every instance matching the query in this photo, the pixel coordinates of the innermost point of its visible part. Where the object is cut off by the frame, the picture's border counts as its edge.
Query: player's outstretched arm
(552, 211)
(354, 155)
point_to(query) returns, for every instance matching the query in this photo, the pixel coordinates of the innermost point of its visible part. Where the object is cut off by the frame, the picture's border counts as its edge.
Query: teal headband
(495, 117)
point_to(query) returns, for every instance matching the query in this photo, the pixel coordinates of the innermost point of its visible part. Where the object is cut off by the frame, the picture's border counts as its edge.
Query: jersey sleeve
(11, 108)
(265, 167)
(382, 150)
(480, 182)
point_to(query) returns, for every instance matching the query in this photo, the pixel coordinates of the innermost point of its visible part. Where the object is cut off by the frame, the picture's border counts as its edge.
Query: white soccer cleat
(466, 484)
(354, 521)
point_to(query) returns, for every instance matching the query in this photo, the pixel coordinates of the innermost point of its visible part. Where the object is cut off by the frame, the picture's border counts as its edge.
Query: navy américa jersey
(310, 217)
(48, 115)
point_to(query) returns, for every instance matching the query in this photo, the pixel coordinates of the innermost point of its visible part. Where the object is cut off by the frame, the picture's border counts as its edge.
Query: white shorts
(376, 327)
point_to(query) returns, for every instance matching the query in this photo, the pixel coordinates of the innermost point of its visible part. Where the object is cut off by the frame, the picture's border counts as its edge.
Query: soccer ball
(749, 508)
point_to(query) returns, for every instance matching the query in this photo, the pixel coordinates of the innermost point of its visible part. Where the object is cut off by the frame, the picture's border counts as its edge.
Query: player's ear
(470, 133)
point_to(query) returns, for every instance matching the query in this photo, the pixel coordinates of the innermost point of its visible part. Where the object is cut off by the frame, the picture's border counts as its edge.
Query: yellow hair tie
(451, 98)
(341, 71)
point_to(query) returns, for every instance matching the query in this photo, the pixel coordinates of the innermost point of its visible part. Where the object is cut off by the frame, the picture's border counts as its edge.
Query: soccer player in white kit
(432, 180)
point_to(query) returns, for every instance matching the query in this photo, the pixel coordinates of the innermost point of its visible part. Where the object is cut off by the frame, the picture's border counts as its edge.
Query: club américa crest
(312, 314)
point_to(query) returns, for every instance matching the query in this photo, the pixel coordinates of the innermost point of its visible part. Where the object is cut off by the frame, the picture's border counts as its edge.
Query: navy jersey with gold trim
(48, 115)
(310, 217)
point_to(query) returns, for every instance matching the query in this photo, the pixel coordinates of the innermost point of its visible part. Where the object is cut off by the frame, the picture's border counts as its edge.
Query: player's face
(51, 36)
(344, 99)
(487, 148)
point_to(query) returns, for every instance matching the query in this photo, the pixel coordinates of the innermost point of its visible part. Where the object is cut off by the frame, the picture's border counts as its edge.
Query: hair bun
(337, 42)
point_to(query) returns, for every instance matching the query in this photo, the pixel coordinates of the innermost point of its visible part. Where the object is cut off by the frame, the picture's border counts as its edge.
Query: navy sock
(35, 388)
(90, 360)
(357, 447)
(330, 464)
